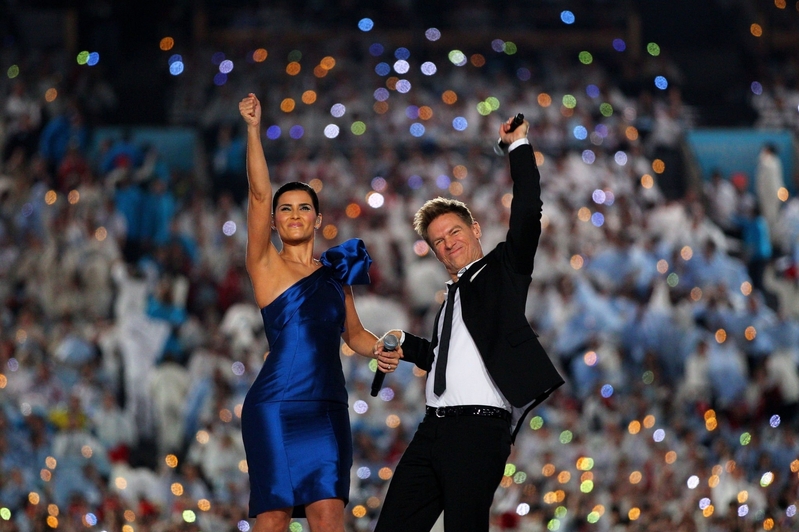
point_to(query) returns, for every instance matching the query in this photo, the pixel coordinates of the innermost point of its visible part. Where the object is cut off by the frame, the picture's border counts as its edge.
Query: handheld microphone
(390, 343)
(500, 147)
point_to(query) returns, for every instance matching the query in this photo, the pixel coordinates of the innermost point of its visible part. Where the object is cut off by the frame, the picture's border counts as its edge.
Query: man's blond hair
(434, 208)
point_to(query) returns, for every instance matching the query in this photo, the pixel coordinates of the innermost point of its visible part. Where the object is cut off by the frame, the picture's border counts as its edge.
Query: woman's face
(295, 218)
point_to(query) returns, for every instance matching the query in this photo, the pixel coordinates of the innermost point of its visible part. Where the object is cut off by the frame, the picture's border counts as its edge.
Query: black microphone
(500, 147)
(390, 343)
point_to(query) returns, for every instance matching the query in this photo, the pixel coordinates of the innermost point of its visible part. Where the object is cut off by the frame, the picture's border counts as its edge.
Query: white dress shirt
(468, 381)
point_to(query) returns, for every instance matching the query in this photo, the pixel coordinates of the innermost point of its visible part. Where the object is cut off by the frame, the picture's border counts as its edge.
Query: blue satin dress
(295, 421)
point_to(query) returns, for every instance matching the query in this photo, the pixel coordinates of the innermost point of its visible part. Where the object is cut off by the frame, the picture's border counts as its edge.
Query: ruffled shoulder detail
(349, 261)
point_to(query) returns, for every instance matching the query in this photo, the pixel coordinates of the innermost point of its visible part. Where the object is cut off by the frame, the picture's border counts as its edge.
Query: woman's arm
(259, 210)
(364, 342)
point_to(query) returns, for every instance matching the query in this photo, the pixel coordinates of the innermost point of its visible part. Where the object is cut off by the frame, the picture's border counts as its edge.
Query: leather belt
(468, 410)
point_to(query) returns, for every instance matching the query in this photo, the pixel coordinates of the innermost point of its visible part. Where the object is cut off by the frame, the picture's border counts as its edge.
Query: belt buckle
(439, 409)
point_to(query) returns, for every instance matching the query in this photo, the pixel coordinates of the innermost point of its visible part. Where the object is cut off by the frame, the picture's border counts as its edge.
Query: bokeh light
(432, 34)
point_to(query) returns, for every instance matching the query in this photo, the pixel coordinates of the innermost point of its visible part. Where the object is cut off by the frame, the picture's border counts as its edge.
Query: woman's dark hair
(296, 185)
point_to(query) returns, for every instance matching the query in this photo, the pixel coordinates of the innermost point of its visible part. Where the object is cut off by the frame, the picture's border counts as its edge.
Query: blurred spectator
(769, 181)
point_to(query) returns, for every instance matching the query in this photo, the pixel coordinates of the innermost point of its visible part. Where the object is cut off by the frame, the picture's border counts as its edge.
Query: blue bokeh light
(366, 24)
(376, 49)
(273, 132)
(417, 129)
(381, 94)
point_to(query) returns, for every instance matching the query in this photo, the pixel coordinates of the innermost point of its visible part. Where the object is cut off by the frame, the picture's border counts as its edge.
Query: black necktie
(440, 383)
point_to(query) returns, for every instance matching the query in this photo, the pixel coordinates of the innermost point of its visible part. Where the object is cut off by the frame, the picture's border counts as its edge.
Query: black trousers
(452, 464)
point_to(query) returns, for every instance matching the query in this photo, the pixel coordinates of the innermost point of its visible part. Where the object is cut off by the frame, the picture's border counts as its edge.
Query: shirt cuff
(516, 143)
(402, 338)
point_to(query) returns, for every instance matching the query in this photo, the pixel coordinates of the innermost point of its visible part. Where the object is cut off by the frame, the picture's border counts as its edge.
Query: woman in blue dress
(295, 422)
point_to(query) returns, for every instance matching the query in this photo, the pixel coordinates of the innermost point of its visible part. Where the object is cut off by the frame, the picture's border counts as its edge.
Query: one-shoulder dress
(294, 422)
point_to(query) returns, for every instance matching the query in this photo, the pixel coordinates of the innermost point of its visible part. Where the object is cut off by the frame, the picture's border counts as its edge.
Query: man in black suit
(486, 370)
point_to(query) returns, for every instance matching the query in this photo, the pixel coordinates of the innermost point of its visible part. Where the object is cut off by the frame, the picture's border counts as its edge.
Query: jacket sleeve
(418, 351)
(525, 212)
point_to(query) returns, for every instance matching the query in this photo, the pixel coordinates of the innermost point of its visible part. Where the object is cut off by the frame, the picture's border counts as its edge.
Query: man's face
(454, 242)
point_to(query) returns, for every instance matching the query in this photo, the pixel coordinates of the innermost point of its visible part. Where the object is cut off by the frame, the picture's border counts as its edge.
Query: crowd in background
(130, 335)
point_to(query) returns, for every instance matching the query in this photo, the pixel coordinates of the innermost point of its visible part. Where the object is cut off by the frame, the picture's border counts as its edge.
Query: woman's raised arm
(259, 209)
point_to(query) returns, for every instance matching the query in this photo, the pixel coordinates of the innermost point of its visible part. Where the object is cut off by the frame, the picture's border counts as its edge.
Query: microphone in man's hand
(390, 343)
(500, 147)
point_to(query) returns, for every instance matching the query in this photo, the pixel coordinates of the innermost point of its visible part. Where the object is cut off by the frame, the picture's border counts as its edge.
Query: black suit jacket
(493, 294)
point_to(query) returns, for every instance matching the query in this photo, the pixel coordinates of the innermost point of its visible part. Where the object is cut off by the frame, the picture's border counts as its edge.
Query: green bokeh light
(13, 71)
(536, 423)
(569, 101)
(456, 57)
(83, 57)
(653, 49)
(358, 128)
(586, 58)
